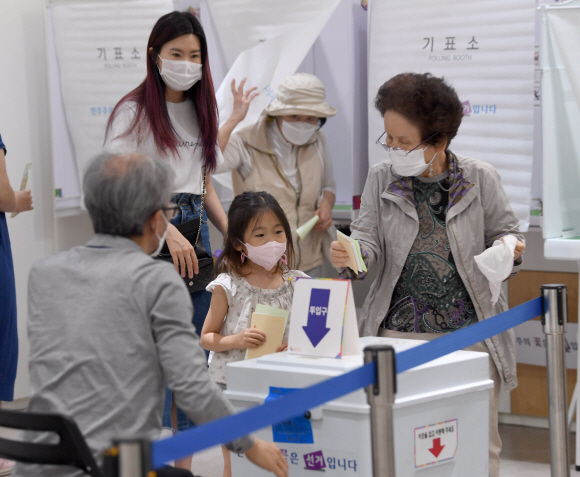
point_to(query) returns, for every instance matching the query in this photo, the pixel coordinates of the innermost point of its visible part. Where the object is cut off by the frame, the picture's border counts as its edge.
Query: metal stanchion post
(129, 458)
(381, 397)
(554, 318)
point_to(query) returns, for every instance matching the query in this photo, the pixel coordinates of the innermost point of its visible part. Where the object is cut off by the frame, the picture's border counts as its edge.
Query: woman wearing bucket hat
(285, 153)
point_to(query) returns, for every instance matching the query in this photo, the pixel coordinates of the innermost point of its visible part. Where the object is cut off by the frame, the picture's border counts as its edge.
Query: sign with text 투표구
(323, 319)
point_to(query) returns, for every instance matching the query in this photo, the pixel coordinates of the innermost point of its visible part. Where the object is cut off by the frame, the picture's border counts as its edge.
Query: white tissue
(496, 264)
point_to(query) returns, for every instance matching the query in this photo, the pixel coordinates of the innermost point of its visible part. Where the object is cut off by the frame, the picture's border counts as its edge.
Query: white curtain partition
(101, 56)
(560, 56)
(485, 49)
(264, 45)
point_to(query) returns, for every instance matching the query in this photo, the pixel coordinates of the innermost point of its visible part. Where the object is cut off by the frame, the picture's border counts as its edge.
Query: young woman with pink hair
(172, 115)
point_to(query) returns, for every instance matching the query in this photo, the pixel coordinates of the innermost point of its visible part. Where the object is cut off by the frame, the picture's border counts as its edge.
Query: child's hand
(250, 338)
(282, 347)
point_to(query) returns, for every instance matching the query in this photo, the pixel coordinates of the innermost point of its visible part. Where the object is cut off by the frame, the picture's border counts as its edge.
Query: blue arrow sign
(316, 328)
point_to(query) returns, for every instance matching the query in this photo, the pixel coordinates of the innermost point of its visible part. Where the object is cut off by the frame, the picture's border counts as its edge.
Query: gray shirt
(108, 325)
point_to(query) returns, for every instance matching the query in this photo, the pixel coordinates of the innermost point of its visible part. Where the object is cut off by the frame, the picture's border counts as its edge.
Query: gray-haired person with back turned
(108, 324)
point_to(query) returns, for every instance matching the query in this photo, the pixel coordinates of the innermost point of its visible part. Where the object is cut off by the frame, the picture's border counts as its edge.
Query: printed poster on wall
(485, 50)
(101, 56)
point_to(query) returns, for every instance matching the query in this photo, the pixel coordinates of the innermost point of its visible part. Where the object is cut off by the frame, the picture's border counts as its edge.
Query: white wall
(25, 129)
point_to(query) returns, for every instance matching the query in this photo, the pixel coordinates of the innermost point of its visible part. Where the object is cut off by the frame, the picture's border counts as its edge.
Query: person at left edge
(10, 201)
(172, 116)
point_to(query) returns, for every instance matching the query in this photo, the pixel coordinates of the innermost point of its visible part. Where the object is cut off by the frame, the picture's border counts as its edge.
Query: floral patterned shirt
(242, 300)
(430, 296)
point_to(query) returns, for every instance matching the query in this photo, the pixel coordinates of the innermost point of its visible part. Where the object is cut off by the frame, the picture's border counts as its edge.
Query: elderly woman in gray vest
(425, 213)
(286, 154)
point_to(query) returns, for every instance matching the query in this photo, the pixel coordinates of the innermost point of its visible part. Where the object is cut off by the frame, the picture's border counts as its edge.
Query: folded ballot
(355, 260)
(272, 321)
(307, 227)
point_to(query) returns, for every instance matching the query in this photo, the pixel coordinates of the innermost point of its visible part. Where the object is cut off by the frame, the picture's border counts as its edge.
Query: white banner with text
(485, 50)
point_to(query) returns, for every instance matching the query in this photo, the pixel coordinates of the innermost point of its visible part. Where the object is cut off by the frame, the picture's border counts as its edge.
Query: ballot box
(441, 415)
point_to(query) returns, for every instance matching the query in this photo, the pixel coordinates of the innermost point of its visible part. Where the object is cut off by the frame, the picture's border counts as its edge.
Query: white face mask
(180, 75)
(409, 164)
(162, 238)
(267, 255)
(298, 132)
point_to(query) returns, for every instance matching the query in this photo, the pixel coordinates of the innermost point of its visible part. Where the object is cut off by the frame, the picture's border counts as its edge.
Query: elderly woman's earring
(243, 257)
(284, 259)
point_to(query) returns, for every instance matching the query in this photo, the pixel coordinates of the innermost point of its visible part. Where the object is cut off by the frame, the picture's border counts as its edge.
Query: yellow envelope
(274, 327)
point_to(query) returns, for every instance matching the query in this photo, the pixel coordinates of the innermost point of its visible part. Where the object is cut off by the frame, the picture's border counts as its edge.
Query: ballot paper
(272, 321)
(25, 177)
(307, 227)
(355, 260)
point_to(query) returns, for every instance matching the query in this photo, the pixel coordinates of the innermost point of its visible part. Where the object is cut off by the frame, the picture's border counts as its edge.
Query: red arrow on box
(437, 447)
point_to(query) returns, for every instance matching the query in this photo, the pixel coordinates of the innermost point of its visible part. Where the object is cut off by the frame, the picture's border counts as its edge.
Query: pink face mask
(267, 255)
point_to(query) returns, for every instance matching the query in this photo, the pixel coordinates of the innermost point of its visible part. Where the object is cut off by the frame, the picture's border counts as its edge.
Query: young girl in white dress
(256, 267)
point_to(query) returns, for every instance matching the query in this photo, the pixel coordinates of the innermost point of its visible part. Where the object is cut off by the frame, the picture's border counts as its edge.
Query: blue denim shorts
(189, 208)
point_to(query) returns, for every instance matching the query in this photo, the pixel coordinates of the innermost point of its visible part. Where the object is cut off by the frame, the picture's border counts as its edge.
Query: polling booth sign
(93, 66)
(485, 50)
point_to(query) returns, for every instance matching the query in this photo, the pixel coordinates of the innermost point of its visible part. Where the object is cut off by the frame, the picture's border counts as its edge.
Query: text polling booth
(267, 41)
(438, 430)
(97, 54)
(560, 82)
(485, 50)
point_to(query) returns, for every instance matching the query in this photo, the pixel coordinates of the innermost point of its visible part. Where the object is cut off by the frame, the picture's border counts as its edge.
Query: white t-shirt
(187, 166)
(237, 157)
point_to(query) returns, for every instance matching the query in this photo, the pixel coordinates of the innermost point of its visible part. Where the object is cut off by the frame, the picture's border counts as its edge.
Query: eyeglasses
(389, 148)
(171, 211)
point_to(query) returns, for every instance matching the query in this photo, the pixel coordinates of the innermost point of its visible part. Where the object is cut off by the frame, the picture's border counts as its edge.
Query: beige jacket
(267, 175)
(479, 212)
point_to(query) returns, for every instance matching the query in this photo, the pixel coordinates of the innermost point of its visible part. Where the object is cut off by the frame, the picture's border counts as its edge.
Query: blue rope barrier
(286, 407)
(465, 337)
(298, 402)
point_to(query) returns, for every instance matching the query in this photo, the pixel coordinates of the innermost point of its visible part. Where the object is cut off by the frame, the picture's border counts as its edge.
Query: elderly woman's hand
(242, 100)
(520, 247)
(338, 255)
(325, 220)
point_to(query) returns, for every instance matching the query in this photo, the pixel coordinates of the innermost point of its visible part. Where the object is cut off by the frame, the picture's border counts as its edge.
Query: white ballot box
(441, 415)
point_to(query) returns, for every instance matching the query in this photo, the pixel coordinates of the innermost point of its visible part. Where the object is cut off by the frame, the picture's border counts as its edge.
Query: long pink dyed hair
(152, 115)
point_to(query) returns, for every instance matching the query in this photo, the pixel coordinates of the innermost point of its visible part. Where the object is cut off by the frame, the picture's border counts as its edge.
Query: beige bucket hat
(301, 93)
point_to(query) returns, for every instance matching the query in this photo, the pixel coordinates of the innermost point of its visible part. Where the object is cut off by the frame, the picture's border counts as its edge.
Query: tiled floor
(526, 452)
